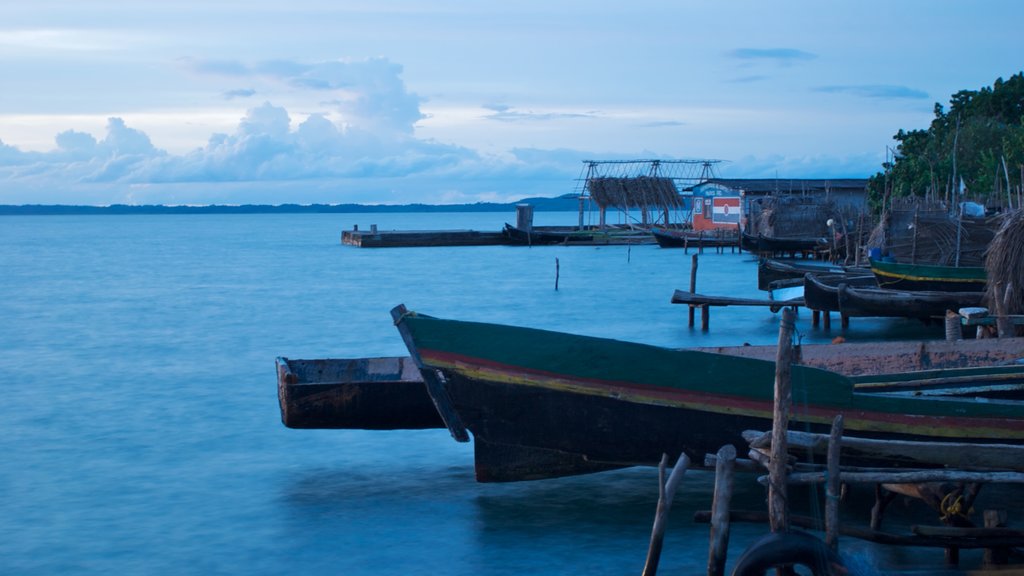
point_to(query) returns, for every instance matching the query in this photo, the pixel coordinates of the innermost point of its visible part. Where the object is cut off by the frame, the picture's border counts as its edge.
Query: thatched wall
(792, 216)
(925, 233)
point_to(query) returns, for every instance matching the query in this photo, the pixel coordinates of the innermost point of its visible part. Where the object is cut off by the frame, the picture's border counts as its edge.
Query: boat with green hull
(928, 277)
(627, 403)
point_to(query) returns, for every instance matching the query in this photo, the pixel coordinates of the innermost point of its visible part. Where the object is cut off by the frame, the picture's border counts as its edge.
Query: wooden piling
(666, 492)
(1003, 324)
(777, 505)
(693, 283)
(719, 545)
(834, 485)
(995, 556)
(557, 272)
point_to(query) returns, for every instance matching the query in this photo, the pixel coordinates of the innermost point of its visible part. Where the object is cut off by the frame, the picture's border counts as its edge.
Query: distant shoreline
(569, 202)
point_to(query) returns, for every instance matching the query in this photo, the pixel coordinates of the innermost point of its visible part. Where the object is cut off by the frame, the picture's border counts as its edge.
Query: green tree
(969, 142)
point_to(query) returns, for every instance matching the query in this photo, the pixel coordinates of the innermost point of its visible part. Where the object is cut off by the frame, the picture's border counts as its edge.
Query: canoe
(573, 236)
(545, 236)
(389, 393)
(930, 277)
(628, 403)
(886, 303)
(770, 270)
(354, 393)
(688, 238)
(821, 291)
(777, 245)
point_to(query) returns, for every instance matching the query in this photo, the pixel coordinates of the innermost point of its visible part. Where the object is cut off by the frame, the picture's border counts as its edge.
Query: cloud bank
(358, 145)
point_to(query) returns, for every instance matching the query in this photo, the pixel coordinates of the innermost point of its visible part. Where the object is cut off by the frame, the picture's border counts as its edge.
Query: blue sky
(232, 102)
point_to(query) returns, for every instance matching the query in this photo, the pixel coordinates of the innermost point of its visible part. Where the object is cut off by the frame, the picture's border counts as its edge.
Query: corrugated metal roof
(789, 185)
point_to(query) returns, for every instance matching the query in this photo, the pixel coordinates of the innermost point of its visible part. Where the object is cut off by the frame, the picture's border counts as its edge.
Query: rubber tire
(789, 548)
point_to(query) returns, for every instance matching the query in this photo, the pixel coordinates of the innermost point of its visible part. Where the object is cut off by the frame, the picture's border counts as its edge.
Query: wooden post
(995, 556)
(557, 272)
(815, 318)
(777, 505)
(705, 317)
(666, 492)
(882, 500)
(913, 246)
(826, 318)
(693, 283)
(719, 546)
(834, 485)
(1003, 323)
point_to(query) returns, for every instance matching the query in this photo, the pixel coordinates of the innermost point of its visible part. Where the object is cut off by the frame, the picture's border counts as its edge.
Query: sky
(451, 101)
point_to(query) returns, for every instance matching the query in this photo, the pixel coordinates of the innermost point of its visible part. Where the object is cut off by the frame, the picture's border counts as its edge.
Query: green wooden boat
(625, 403)
(928, 277)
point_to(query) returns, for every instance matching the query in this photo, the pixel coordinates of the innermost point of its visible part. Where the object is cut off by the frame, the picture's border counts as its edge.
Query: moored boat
(768, 245)
(573, 236)
(628, 403)
(821, 291)
(930, 277)
(886, 303)
(667, 238)
(354, 393)
(771, 270)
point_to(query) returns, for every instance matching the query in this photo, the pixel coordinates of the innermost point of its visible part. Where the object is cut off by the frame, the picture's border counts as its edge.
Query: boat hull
(628, 403)
(355, 393)
(821, 291)
(881, 302)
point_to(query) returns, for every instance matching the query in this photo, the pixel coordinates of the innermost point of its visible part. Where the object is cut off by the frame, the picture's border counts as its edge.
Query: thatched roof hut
(1004, 265)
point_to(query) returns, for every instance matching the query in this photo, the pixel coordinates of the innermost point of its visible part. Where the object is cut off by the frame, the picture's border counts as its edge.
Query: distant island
(564, 203)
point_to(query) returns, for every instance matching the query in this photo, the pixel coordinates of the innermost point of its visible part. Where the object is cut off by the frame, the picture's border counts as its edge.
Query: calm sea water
(140, 426)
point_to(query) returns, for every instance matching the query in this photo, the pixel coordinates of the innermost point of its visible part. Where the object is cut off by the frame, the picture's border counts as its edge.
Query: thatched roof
(1004, 264)
(634, 192)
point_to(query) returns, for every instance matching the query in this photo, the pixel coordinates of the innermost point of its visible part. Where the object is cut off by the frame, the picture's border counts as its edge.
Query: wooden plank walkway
(692, 299)
(704, 303)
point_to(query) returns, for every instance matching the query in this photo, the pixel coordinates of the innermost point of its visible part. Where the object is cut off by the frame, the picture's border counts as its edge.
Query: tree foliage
(980, 139)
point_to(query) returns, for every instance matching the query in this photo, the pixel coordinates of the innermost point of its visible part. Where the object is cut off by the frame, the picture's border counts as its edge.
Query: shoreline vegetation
(564, 203)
